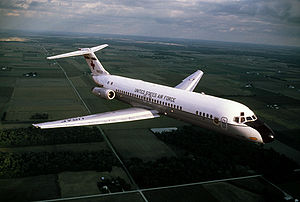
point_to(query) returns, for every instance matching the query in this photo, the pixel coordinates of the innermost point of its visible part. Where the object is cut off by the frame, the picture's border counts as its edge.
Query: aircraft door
(224, 121)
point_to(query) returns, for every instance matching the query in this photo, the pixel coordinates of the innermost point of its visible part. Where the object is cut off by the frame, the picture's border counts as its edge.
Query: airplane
(150, 100)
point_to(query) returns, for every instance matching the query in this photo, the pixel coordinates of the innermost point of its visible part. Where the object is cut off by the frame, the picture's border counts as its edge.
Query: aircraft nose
(264, 130)
(266, 133)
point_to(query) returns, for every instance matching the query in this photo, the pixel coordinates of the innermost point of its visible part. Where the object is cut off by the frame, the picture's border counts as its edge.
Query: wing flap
(124, 115)
(190, 82)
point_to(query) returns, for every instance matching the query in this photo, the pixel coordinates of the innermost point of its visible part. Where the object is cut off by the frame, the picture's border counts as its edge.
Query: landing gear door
(224, 121)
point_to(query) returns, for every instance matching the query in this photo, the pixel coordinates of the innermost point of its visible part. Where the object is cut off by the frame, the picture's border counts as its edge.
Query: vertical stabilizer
(94, 64)
(90, 57)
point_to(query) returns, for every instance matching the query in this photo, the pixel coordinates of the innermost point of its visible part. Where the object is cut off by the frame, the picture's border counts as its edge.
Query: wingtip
(36, 125)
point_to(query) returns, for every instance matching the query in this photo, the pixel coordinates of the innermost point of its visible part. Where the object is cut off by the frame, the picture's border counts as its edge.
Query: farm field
(29, 188)
(265, 78)
(253, 189)
(138, 143)
(85, 183)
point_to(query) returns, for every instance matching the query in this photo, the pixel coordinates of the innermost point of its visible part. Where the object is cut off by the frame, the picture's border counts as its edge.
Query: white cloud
(206, 19)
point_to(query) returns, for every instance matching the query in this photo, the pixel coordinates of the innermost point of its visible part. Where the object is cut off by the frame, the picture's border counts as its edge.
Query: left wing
(123, 115)
(190, 82)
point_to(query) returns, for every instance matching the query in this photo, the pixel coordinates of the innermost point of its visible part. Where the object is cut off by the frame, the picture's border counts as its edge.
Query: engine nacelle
(104, 93)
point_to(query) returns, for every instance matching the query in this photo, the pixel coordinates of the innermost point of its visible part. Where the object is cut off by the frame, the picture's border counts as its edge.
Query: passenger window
(236, 119)
(204, 114)
(211, 116)
(242, 114)
(242, 119)
(197, 112)
(216, 120)
(180, 108)
(200, 113)
(249, 118)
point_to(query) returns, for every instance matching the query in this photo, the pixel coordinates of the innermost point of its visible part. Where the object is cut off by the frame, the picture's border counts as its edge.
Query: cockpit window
(243, 119)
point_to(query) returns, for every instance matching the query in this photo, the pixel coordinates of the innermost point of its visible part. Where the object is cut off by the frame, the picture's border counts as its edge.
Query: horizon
(18, 33)
(271, 22)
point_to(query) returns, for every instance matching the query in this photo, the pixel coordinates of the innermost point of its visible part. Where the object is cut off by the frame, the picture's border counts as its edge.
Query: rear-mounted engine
(104, 93)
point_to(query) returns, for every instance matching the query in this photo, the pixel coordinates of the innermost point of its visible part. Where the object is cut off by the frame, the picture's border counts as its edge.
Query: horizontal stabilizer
(124, 115)
(82, 51)
(190, 82)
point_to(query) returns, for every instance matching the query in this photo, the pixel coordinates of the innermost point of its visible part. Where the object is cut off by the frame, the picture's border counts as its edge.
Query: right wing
(123, 115)
(190, 82)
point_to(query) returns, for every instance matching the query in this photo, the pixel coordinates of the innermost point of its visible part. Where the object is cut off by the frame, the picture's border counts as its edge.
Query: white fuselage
(197, 108)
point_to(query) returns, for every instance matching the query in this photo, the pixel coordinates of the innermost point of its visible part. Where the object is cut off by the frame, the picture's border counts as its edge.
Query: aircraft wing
(190, 82)
(124, 115)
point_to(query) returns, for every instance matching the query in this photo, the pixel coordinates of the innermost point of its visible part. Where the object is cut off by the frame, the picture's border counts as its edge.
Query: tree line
(40, 163)
(33, 136)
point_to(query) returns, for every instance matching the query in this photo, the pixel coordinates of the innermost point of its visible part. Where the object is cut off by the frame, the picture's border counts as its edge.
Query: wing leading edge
(124, 115)
(190, 82)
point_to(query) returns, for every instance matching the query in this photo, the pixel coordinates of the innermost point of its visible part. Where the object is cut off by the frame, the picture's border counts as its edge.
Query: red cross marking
(92, 64)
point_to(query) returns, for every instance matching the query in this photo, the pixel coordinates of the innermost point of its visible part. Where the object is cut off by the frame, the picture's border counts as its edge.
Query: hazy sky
(256, 21)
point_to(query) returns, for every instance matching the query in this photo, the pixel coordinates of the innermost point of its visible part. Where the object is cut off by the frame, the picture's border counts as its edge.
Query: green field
(85, 183)
(138, 143)
(252, 189)
(189, 193)
(29, 188)
(273, 73)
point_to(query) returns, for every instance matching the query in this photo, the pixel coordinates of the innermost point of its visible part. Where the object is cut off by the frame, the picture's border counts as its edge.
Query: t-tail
(90, 57)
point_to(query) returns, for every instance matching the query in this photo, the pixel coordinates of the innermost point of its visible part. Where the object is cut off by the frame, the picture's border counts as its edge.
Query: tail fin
(88, 53)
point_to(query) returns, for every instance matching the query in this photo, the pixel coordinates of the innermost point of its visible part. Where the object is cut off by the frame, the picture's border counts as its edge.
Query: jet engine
(104, 93)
